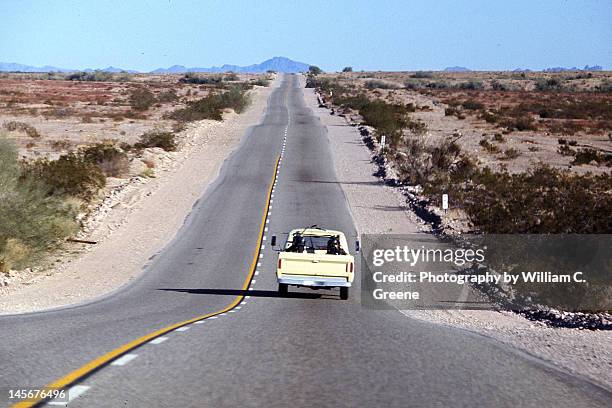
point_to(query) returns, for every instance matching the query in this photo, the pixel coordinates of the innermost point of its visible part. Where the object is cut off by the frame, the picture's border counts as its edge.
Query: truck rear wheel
(344, 292)
(283, 288)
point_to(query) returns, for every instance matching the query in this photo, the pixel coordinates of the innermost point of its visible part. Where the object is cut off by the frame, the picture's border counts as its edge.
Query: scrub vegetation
(494, 179)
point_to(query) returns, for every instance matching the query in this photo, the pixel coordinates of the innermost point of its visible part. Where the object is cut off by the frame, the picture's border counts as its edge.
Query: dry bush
(14, 126)
(70, 175)
(510, 154)
(112, 161)
(157, 138)
(141, 99)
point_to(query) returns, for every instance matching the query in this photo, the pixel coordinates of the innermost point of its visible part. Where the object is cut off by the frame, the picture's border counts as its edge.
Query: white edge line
(123, 360)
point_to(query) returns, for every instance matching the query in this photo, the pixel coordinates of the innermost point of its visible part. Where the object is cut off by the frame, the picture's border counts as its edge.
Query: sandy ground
(122, 225)
(377, 209)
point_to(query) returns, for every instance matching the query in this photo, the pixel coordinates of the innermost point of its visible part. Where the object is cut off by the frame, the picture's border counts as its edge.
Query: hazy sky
(368, 35)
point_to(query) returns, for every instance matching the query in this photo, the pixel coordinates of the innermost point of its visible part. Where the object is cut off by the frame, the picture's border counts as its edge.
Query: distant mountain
(278, 64)
(563, 69)
(457, 69)
(13, 67)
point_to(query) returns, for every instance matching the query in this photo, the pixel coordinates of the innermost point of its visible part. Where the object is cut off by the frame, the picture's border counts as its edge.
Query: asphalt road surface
(306, 349)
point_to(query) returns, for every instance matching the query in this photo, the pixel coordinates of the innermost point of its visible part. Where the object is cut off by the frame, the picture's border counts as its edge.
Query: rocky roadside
(136, 219)
(379, 207)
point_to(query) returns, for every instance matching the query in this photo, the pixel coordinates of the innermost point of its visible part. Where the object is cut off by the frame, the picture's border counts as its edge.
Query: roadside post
(445, 202)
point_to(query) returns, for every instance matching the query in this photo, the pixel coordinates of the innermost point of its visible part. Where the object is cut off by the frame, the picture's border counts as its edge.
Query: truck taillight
(279, 263)
(349, 267)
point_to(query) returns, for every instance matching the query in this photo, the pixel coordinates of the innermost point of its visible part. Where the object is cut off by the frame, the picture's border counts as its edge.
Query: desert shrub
(542, 200)
(59, 145)
(376, 84)
(193, 78)
(230, 76)
(31, 220)
(450, 111)
(112, 161)
(70, 175)
(414, 85)
(161, 139)
(471, 85)
(388, 119)
(100, 76)
(167, 96)
(510, 154)
(520, 124)
(422, 74)
(472, 105)
(438, 85)
(565, 150)
(499, 138)
(488, 146)
(588, 155)
(141, 99)
(211, 106)
(356, 102)
(347, 69)
(261, 82)
(14, 126)
(498, 86)
(547, 85)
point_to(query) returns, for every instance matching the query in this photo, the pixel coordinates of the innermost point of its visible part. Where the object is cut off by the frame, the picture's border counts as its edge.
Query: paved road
(307, 349)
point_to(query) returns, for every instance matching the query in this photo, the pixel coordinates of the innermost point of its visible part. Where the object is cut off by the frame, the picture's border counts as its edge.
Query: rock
(137, 166)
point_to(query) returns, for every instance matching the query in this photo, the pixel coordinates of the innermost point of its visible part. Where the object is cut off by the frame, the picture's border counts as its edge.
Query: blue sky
(374, 35)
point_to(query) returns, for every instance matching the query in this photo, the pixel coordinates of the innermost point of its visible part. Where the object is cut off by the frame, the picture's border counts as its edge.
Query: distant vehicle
(316, 258)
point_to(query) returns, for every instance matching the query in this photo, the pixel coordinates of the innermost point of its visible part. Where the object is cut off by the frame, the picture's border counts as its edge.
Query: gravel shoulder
(136, 220)
(378, 209)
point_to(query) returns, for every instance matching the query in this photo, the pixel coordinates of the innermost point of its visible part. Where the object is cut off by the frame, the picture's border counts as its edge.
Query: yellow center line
(99, 362)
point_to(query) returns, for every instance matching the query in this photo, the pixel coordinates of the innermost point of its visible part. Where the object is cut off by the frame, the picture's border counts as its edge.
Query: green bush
(70, 175)
(32, 221)
(112, 161)
(161, 139)
(347, 69)
(141, 99)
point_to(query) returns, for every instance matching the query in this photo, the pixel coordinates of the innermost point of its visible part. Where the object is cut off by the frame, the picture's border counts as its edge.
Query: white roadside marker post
(445, 202)
(383, 139)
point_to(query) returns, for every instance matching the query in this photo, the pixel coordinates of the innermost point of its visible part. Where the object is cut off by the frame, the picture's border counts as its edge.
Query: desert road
(205, 327)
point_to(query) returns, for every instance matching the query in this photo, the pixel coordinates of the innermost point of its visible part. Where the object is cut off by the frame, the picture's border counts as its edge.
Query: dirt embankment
(137, 219)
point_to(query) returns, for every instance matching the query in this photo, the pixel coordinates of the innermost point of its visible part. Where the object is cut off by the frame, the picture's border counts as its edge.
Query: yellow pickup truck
(316, 258)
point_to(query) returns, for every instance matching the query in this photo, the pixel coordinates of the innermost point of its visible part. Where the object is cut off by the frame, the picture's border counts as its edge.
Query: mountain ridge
(278, 64)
